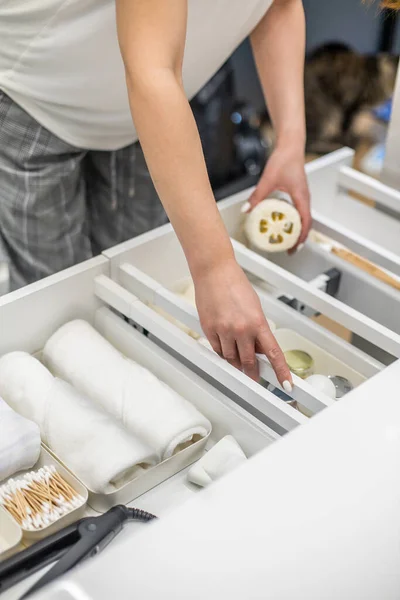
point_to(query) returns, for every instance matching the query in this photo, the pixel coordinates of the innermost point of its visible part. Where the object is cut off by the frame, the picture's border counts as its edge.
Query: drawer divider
(350, 318)
(191, 350)
(351, 180)
(358, 244)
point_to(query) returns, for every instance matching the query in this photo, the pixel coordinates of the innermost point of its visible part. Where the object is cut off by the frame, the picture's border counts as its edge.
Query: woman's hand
(234, 323)
(285, 172)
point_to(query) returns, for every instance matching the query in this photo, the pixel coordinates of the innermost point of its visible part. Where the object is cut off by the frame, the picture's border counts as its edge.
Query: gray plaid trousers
(60, 205)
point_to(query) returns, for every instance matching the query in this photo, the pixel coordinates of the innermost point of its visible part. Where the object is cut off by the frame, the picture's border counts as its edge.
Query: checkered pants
(60, 205)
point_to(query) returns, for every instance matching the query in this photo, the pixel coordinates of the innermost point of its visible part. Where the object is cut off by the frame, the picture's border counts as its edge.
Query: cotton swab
(39, 498)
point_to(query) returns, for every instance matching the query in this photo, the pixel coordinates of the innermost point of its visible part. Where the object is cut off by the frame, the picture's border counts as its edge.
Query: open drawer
(28, 317)
(153, 269)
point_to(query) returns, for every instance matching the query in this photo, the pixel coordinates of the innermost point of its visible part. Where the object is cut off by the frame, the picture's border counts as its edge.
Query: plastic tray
(150, 479)
(48, 458)
(10, 534)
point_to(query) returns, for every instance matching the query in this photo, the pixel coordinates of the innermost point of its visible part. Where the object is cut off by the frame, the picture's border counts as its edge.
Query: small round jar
(322, 384)
(342, 385)
(300, 363)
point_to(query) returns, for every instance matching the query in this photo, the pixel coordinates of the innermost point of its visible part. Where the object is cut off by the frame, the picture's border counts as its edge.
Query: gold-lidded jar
(300, 363)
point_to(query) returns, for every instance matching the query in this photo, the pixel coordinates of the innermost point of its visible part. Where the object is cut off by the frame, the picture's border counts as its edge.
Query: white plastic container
(10, 535)
(46, 458)
(150, 479)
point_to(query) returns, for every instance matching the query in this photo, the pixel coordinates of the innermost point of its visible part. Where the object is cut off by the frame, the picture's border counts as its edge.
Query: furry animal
(341, 87)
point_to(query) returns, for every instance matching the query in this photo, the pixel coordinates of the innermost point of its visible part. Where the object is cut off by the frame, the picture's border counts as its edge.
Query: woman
(72, 179)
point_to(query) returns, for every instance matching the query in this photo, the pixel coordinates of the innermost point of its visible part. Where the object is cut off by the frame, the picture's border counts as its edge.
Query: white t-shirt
(60, 61)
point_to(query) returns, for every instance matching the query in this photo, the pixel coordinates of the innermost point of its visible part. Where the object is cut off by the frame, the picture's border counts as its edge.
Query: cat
(341, 87)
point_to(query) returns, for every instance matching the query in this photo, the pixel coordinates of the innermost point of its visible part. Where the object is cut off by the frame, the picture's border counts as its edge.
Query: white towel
(93, 445)
(19, 442)
(225, 456)
(145, 405)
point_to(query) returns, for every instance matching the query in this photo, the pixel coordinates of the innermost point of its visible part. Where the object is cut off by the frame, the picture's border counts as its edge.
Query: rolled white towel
(93, 445)
(19, 442)
(274, 225)
(225, 456)
(145, 405)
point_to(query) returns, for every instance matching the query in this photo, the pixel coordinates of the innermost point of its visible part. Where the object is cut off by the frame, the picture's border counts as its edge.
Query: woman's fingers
(239, 348)
(268, 345)
(230, 350)
(232, 318)
(301, 200)
(215, 343)
(248, 359)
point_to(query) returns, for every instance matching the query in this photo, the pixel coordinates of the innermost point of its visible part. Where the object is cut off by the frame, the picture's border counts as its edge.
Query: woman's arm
(279, 45)
(152, 38)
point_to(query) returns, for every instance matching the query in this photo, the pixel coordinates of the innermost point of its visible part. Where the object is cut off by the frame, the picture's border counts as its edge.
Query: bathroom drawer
(29, 316)
(149, 269)
(153, 267)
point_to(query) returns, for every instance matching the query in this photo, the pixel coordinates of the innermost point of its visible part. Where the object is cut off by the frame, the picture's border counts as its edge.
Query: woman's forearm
(152, 36)
(172, 146)
(278, 44)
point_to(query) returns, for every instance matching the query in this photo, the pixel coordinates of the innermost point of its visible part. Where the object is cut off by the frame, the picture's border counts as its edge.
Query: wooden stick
(35, 504)
(367, 266)
(69, 491)
(19, 503)
(13, 512)
(38, 495)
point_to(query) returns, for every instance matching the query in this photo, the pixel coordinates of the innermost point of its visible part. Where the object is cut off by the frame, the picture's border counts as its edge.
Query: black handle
(95, 533)
(42, 553)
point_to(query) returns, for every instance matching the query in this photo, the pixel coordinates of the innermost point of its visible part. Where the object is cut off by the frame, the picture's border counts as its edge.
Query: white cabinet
(114, 291)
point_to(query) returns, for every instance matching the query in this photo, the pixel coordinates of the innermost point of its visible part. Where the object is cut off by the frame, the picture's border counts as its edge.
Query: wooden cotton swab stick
(39, 498)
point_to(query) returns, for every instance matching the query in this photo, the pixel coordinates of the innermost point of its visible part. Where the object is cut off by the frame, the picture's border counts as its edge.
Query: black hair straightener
(69, 546)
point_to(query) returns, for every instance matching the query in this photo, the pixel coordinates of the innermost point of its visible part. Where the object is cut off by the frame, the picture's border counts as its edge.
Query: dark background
(365, 28)
(234, 153)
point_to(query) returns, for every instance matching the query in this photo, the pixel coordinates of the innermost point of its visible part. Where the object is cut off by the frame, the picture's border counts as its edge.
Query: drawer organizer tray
(10, 535)
(150, 479)
(47, 458)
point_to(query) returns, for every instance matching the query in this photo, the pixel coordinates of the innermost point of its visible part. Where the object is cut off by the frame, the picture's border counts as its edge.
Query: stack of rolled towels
(106, 417)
